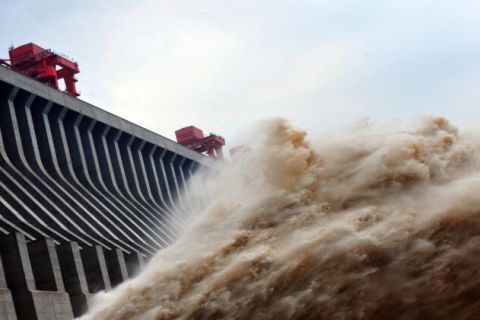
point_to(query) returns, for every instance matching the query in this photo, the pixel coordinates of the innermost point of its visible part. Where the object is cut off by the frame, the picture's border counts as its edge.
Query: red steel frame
(36, 62)
(193, 138)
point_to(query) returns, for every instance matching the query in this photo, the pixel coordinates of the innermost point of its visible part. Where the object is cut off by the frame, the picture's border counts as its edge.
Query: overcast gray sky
(222, 65)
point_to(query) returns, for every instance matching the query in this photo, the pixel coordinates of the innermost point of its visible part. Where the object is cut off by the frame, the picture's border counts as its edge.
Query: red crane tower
(193, 138)
(41, 64)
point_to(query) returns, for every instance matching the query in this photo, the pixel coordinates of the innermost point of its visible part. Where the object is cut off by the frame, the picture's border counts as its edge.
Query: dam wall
(85, 197)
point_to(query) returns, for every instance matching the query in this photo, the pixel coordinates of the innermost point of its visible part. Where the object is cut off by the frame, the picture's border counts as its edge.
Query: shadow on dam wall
(85, 196)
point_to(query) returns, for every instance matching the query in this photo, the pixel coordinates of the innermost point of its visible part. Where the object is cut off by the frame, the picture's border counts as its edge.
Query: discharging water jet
(371, 223)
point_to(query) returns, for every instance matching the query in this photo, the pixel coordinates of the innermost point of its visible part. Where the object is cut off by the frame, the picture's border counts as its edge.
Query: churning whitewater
(368, 222)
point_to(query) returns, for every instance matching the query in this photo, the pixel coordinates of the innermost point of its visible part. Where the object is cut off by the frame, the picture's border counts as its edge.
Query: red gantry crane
(41, 64)
(193, 138)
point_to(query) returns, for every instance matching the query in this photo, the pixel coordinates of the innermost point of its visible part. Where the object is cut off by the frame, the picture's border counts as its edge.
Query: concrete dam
(85, 198)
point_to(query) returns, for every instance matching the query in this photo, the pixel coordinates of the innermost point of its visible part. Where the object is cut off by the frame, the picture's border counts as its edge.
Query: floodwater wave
(368, 222)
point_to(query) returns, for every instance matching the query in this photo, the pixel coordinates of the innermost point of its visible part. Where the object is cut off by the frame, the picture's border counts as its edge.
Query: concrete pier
(73, 276)
(7, 309)
(95, 269)
(30, 303)
(135, 263)
(47, 272)
(49, 281)
(117, 268)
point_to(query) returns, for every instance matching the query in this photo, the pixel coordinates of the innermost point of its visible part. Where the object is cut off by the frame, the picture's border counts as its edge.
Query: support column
(73, 276)
(95, 269)
(135, 263)
(29, 302)
(46, 268)
(117, 269)
(7, 309)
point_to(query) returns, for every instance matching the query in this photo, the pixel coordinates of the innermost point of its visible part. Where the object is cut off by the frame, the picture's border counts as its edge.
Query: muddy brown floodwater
(369, 222)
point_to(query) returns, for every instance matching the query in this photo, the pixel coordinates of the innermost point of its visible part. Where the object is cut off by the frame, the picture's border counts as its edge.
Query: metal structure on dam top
(84, 195)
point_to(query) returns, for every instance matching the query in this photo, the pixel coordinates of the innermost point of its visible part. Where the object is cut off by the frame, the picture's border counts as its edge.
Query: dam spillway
(84, 197)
